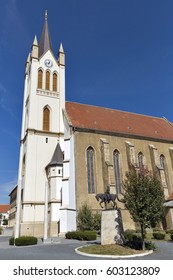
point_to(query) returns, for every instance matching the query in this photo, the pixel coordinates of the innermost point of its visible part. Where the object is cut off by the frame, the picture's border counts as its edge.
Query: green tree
(87, 220)
(143, 198)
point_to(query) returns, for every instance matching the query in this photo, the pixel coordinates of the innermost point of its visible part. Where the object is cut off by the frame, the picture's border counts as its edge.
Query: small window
(46, 140)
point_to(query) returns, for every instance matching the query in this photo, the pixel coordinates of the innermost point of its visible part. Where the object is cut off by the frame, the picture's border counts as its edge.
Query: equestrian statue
(106, 198)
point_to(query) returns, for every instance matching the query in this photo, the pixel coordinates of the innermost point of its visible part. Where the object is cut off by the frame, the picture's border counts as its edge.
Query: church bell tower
(42, 130)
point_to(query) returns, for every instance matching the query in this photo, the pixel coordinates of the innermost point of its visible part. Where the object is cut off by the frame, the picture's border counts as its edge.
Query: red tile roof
(4, 208)
(115, 121)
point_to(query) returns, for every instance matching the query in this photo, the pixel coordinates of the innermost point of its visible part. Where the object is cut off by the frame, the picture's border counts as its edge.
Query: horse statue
(106, 198)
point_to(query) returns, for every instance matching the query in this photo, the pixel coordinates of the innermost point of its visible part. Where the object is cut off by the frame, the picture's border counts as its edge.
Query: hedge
(159, 235)
(81, 235)
(23, 241)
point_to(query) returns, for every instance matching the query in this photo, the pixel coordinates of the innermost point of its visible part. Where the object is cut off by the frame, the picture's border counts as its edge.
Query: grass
(116, 249)
(109, 250)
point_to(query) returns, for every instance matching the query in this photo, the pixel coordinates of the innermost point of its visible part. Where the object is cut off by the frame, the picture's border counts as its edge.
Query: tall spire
(45, 42)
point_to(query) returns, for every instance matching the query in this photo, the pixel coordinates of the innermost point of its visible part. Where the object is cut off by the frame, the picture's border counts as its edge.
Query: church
(69, 152)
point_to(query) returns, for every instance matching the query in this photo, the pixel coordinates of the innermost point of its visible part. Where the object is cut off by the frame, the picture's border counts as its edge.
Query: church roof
(101, 119)
(45, 42)
(57, 158)
(4, 208)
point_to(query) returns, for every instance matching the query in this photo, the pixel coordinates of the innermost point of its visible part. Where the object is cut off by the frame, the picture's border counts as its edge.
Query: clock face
(48, 63)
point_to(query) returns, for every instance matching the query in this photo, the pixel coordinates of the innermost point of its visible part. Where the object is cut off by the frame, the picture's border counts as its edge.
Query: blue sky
(119, 54)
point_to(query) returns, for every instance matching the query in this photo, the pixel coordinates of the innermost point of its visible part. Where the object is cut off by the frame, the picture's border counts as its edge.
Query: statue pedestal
(112, 227)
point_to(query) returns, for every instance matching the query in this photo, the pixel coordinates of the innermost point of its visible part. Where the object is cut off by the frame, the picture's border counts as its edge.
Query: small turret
(54, 168)
(34, 49)
(27, 64)
(61, 56)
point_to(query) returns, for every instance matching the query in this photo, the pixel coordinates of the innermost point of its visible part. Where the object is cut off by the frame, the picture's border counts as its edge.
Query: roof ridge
(111, 109)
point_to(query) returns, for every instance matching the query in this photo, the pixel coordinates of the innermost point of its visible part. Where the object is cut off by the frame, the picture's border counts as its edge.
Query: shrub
(129, 233)
(81, 235)
(11, 241)
(171, 235)
(150, 245)
(87, 220)
(169, 231)
(5, 222)
(23, 241)
(159, 235)
(156, 229)
(97, 221)
(1, 230)
(135, 242)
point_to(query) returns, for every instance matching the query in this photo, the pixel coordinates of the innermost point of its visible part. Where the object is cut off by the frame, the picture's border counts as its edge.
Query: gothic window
(162, 161)
(46, 119)
(90, 170)
(164, 174)
(47, 85)
(116, 161)
(40, 78)
(54, 82)
(140, 160)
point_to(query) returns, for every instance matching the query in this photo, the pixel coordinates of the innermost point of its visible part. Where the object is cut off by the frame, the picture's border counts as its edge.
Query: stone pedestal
(111, 227)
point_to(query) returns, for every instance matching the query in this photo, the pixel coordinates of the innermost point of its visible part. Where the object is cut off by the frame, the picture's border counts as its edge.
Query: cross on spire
(46, 15)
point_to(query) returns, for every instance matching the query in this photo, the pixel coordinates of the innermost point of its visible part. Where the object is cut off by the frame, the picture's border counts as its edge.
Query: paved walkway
(64, 249)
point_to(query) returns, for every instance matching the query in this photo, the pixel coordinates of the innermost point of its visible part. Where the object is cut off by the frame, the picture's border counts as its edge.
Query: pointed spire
(34, 50)
(61, 55)
(35, 42)
(45, 42)
(61, 48)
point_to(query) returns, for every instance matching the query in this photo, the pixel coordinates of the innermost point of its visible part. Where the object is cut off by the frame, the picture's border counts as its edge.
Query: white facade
(38, 146)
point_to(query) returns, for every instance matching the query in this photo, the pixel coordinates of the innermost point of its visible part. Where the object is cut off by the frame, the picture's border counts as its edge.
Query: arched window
(47, 85)
(54, 82)
(140, 160)
(164, 174)
(90, 170)
(40, 78)
(46, 119)
(116, 161)
(162, 161)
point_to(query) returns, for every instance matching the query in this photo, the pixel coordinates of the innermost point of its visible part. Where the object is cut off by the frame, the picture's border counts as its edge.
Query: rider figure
(108, 195)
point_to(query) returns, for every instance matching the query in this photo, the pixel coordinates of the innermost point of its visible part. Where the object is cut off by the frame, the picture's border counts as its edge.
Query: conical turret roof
(57, 158)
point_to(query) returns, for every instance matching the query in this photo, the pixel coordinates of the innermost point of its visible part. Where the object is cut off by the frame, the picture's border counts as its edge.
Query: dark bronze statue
(106, 198)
